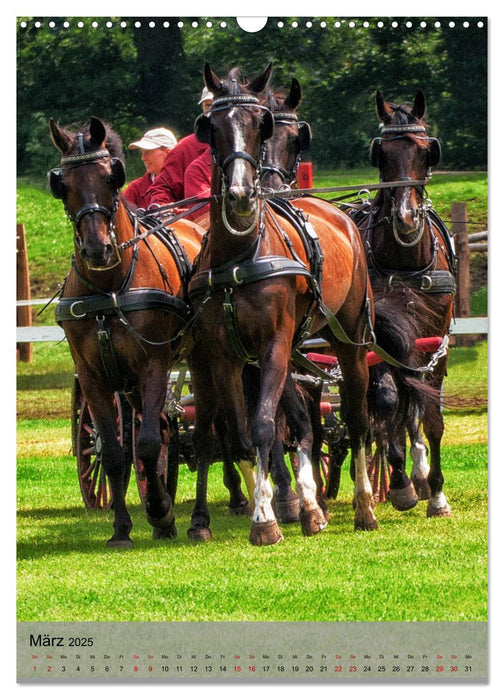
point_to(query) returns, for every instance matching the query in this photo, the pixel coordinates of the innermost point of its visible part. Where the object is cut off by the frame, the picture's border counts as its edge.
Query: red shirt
(136, 191)
(197, 181)
(169, 184)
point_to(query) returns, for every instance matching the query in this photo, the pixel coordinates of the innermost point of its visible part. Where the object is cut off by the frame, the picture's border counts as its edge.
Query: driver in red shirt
(168, 186)
(155, 145)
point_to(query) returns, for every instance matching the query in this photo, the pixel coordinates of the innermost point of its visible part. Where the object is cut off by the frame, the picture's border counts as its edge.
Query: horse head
(236, 127)
(290, 138)
(404, 152)
(88, 181)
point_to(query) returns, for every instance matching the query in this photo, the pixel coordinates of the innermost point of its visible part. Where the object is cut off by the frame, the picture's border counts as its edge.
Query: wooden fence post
(463, 298)
(23, 313)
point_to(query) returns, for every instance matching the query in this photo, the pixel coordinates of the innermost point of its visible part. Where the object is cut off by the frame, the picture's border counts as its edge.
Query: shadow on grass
(68, 531)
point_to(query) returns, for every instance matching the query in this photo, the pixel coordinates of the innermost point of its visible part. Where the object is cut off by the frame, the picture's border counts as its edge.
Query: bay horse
(412, 270)
(258, 288)
(123, 309)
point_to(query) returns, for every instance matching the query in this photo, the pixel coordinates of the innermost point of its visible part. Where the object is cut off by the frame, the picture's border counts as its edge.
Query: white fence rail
(36, 334)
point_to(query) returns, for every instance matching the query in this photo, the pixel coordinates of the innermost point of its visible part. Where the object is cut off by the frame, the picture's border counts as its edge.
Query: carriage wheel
(93, 481)
(168, 461)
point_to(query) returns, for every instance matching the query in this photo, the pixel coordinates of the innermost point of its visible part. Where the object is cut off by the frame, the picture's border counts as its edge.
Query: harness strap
(232, 330)
(139, 299)
(265, 267)
(108, 357)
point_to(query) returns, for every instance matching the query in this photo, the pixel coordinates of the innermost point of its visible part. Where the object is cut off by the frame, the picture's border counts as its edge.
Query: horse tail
(397, 394)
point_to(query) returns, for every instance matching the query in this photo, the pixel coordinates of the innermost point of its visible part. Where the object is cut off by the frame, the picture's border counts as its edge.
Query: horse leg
(402, 493)
(418, 452)
(434, 428)
(264, 528)
(238, 504)
(101, 404)
(354, 412)
(311, 515)
(158, 505)
(285, 500)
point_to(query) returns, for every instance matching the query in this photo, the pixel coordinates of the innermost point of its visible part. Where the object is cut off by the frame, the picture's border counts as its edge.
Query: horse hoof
(166, 532)
(265, 533)
(403, 499)
(312, 521)
(366, 523)
(438, 512)
(120, 543)
(422, 489)
(199, 534)
(287, 511)
(240, 508)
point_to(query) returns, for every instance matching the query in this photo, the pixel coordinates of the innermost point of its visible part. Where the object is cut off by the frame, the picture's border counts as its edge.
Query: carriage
(306, 234)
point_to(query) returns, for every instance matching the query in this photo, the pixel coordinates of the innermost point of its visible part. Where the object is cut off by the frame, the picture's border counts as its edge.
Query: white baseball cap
(155, 138)
(206, 95)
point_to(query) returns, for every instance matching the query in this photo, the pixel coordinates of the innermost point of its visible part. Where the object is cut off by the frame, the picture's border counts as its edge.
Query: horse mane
(113, 141)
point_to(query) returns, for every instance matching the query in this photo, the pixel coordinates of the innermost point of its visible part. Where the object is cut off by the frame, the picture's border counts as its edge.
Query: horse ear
(259, 84)
(267, 126)
(294, 97)
(203, 129)
(418, 109)
(60, 138)
(213, 83)
(374, 154)
(97, 131)
(382, 109)
(434, 153)
(119, 172)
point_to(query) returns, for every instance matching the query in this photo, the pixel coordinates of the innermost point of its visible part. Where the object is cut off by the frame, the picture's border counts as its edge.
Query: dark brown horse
(258, 289)
(412, 269)
(123, 308)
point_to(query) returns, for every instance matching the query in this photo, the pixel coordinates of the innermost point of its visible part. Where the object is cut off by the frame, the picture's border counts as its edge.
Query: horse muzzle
(242, 201)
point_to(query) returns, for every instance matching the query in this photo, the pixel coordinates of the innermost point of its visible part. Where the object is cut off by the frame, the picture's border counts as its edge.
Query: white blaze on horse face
(238, 167)
(263, 512)
(305, 482)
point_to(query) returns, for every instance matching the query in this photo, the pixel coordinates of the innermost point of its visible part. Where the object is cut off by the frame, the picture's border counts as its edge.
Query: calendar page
(252, 349)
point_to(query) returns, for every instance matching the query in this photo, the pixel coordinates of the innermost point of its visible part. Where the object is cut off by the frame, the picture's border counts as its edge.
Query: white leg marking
(418, 454)
(438, 501)
(263, 512)
(305, 482)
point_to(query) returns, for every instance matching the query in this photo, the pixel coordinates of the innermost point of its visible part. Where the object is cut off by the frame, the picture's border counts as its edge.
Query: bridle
(398, 132)
(76, 161)
(287, 176)
(203, 131)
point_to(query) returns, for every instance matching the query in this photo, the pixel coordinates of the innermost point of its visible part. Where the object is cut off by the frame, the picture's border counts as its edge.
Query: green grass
(412, 568)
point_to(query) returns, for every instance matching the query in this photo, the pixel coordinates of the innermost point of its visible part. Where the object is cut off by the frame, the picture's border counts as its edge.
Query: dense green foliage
(137, 73)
